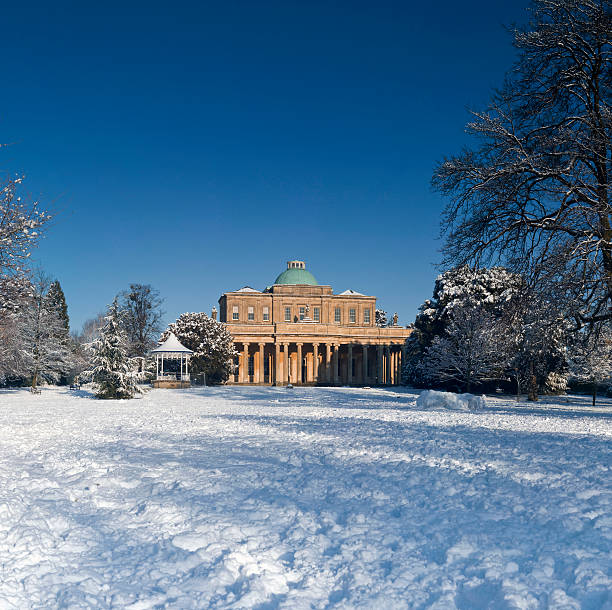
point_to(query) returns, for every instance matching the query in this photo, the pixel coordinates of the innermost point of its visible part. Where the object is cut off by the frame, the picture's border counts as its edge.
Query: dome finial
(296, 274)
(296, 265)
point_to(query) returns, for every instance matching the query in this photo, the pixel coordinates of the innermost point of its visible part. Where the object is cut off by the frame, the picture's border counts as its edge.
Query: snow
(171, 345)
(432, 399)
(351, 292)
(236, 497)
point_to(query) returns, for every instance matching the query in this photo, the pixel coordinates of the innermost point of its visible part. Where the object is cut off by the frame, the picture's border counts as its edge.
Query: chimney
(214, 313)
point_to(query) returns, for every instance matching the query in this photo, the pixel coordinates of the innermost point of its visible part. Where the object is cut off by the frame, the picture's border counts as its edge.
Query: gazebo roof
(171, 346)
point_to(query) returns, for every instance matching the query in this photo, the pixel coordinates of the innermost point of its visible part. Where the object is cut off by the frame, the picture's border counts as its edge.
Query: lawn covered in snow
(304, 498)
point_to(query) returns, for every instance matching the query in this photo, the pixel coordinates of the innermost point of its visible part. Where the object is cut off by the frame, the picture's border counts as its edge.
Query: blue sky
(199, 146)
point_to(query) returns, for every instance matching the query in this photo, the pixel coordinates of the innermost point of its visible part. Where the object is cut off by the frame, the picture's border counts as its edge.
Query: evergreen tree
(211, 343)
(380, 318)
(57, 301)
(111, 371)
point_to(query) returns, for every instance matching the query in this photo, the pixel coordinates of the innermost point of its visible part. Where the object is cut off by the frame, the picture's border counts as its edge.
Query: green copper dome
(296, 274)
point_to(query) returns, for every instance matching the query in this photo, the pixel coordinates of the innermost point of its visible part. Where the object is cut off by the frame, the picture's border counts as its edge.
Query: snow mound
(432, 399)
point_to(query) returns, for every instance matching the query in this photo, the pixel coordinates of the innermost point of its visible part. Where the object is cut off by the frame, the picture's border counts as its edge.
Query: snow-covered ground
(303, 498)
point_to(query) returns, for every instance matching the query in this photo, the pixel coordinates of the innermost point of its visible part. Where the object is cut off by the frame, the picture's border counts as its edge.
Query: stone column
(286, 372)
(298, 376)
(387, 367)
(335, 361)
(277, 368)
(364, 364)
(398, 368)
(261, 363)
(349, 365)
(315, 362)
(328, 375)
(379, 365)
(244, 377)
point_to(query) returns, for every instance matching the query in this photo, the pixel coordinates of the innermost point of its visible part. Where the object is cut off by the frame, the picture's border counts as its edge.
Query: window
(316, 313)
(235, 315)
(287, 314)
(266, 314)
(302, 312)
(251, 314)
(337, 315)
(352, 316)
(366, 316)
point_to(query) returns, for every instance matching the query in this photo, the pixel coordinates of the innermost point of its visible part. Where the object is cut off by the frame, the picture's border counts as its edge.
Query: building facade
(298, 332)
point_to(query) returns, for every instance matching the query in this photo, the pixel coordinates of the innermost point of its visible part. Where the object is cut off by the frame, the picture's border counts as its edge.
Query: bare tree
(142, 318)
(536, 193)
(591, 357)
(44, 340)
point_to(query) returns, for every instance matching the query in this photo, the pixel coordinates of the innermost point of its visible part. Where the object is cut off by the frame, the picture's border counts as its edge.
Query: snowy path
(304, 498)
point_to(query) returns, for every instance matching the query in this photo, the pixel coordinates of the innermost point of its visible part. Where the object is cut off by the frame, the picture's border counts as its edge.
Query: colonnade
(326, 363)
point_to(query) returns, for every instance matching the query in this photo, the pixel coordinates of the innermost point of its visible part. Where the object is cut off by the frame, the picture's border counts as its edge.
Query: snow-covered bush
(211, 343)
(432, 399)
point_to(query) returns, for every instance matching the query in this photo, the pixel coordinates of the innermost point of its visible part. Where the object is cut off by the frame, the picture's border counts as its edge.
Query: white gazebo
(172, 349)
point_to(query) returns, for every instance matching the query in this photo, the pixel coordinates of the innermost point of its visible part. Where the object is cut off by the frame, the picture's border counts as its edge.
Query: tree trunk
(518, 385)
(34, 380)
(533, 385)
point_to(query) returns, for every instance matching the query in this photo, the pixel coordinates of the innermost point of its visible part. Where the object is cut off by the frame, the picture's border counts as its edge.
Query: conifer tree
(57, 301)
(110, 370)
(380, 317)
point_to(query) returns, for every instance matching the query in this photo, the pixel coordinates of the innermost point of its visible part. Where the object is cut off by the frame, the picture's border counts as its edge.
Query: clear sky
(199, 146)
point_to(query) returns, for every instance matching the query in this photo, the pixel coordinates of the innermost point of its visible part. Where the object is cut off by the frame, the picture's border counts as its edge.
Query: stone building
(297, 331)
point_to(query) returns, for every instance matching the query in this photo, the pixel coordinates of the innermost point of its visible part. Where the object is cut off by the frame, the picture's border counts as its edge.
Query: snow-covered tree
(534, 194)
(110, 364)
(21, 225)
(16, 293)
(211, 343)
(380, 317)
(43, 338)
(142, 319)
(493, 291)
(540, 341)
(57, 300)
(591, 357)
(472, 350)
